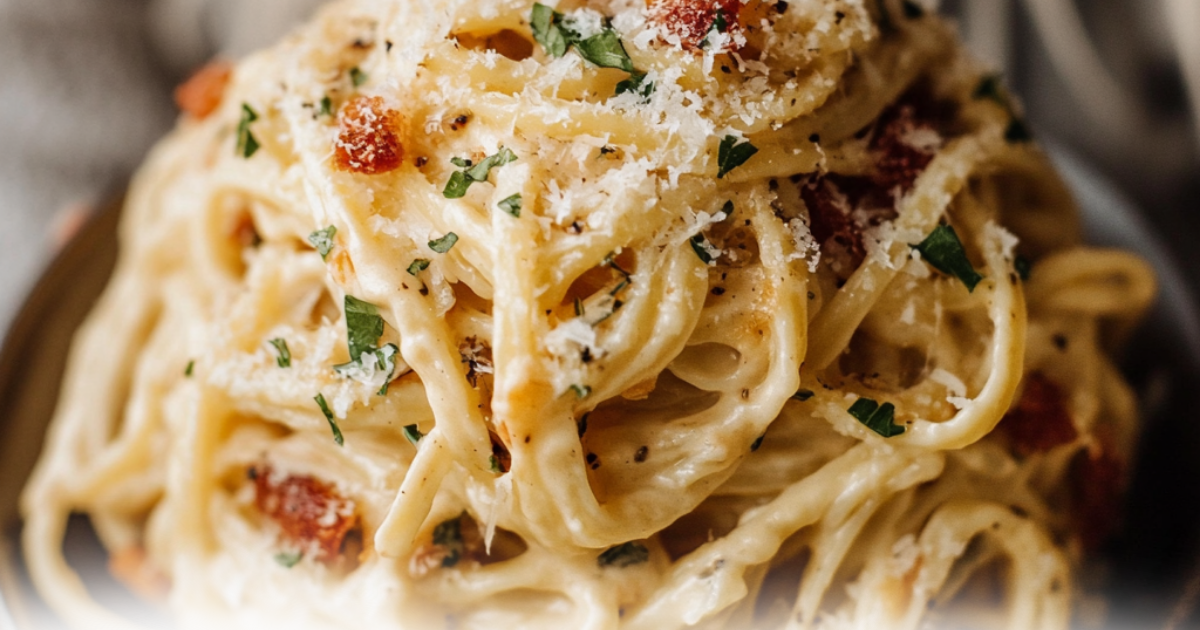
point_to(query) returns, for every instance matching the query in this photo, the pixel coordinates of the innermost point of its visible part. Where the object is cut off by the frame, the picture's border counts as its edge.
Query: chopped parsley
(605, 50)
(412, 434)
(494, 465)
(624, 555)
(581, 391)
(719, 25)
(448, 534)
(288, 559)
(357, 76)
(417, 266)
(803, 395)
(461, 180)
(323, 240)
(383, 359)
(443, 244)
(1023, 267)
(878, 418)
(638, 85)
(284, 358)
(333, 426)
(702, 248)
(579, 310)
(732, 155)
(191, 367)
(364, 326)
(326, 107)
(554, 32)
(247, 144)
(511, 205)
(944, 251)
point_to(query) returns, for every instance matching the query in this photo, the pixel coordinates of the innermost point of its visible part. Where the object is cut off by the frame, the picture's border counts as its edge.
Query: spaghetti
(597, 315)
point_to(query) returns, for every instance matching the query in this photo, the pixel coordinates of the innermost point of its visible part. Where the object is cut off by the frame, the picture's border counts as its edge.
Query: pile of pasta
(597, 314)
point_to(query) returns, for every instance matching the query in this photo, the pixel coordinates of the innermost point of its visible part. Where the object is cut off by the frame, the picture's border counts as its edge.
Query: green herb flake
(546, 30)
(417, 266)
(448, 535)
(878, 418)
(1018, 131)
(385, 360)
(605, 50)
(637, 85)
(803, 395)
(1023, 267)
(333, 426)
(460, 181)
(511, 205)
(624, 555)
(412, 434)
(190, 369)
(284, 358)
(732, 155)
(991, 87)
(494, 465)
(945, 252)
(323, 240)
(288, 559)
(326, 107)
(247, 144)
(701, 247)
(444, 244)
(358, 77)
(581, 391)
(364, 326)
(579, 310)
(720, 24)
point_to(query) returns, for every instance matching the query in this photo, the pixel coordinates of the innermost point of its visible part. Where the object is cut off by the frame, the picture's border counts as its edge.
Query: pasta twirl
(599, 315)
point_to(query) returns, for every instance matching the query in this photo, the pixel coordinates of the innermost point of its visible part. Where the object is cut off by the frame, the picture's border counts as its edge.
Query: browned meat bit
(368, 141)
(906, 139)
(692, 20)
(1040, 420)
(202, 94)
(1097, 483)
(832, 226)
(310, 512)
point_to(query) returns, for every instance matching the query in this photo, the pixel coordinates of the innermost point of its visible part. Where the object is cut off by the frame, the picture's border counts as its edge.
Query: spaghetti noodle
(597, 315)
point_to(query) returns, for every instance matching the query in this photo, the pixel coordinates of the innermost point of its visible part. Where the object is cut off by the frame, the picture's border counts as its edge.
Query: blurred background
(1114, 85)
